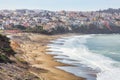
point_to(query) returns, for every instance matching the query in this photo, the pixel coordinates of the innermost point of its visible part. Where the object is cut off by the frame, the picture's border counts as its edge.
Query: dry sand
(33, 48)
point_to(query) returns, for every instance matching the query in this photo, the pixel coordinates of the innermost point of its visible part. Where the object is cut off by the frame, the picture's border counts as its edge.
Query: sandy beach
(32, 49)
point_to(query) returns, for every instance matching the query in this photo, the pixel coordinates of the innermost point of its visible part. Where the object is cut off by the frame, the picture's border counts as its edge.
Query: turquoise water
(107, 45)
(95, 57)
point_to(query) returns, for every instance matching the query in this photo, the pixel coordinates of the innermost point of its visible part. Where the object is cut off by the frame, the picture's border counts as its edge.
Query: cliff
(85, 29)
(11, 68)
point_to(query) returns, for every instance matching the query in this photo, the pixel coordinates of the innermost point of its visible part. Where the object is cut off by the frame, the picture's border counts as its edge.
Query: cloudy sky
(55, 5)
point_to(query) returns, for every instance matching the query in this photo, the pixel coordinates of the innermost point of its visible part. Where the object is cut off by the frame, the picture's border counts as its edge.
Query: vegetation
(60, 29)
(36, 29)
(17, 69)
(4, 59)
(5, 49)
(20, 27)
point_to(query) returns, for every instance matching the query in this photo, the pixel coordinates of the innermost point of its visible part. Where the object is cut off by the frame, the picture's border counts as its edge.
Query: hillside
(54, 22)
(11, 68)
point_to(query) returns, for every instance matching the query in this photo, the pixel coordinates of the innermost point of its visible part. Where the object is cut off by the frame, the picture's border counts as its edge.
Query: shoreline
(34, 51)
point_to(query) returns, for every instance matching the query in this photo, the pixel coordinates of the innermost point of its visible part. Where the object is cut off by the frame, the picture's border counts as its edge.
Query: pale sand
(34, 52)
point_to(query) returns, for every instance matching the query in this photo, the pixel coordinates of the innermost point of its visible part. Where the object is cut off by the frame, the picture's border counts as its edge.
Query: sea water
(94, 57)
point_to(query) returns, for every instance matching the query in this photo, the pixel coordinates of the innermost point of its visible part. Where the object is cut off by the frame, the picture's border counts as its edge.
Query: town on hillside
(20, 19)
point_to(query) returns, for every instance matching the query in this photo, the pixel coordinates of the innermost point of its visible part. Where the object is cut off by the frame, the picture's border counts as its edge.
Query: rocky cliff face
(11, 68)
(91, 29)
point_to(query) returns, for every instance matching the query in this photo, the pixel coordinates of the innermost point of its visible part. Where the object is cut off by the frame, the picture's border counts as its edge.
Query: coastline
(33, 48)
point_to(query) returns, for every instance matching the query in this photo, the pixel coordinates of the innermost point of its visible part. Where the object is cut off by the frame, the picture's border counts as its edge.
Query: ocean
(94, 56)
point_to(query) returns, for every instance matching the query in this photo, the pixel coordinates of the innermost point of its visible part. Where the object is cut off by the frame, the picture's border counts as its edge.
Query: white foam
(75, 49)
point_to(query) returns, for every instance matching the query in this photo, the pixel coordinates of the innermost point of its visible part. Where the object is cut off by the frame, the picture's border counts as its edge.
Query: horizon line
(58, 10)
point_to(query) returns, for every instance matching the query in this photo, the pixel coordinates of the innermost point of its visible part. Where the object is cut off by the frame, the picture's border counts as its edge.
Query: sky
(57, 5)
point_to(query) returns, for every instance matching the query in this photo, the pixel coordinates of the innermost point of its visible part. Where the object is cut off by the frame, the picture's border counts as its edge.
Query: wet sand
(33, 49)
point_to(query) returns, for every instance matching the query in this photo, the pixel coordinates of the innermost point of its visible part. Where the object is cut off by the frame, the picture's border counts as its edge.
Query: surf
(87, 64)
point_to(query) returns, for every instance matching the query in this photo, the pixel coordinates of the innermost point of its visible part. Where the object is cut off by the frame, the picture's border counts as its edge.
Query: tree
(20, 27)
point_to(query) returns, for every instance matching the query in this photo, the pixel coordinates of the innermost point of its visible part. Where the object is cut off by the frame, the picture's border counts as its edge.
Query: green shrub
(4, 59)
